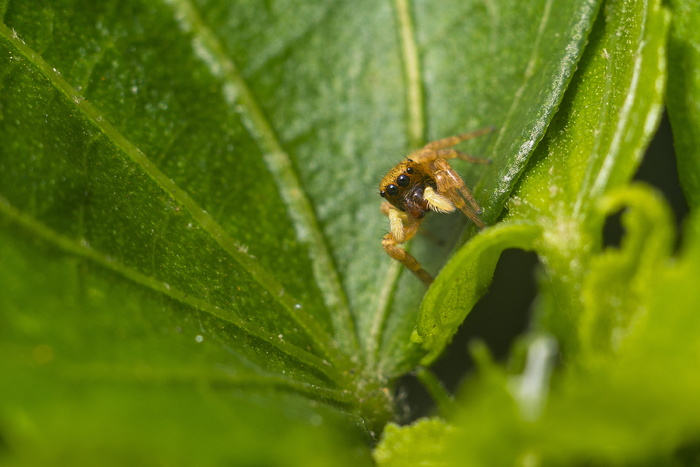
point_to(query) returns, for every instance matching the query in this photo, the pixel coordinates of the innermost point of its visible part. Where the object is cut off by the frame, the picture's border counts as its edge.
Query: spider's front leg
(403, 228)
(451, 185)
(434, 156)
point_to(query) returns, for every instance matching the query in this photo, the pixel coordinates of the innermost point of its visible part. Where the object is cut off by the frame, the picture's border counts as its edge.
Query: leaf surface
(188, 207)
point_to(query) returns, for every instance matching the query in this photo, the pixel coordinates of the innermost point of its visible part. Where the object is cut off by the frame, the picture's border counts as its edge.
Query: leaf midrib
(415, 129)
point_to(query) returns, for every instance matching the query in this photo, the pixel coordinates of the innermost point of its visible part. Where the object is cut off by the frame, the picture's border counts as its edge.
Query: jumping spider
(423, 182)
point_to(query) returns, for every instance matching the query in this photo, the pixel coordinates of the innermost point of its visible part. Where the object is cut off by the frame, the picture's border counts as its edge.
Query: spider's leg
(403, 228)
(399, 254)
(453, 140)
(451, 185)
(438, 149)
(453, 153)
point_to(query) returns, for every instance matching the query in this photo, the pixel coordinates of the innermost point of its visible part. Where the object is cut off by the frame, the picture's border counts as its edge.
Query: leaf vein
(278, 161)
(203, 218)
(83, 250)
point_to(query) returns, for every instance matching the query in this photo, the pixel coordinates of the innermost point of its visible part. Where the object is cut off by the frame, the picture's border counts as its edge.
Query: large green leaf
(190, 226)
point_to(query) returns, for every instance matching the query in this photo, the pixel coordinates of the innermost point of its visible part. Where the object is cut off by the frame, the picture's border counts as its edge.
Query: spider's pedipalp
(396, 225)
(438, 202)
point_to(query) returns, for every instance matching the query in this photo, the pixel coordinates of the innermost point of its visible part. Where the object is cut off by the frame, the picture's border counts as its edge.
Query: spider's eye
(382, 194)
(409, 170)
(392, 190)
(403, 180)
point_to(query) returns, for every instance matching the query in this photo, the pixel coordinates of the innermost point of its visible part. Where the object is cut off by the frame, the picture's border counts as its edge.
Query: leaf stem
(435, 388)
(416, 137)
(384, 300)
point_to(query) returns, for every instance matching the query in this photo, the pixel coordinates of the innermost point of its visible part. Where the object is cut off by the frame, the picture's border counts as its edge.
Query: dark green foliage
(189, 229)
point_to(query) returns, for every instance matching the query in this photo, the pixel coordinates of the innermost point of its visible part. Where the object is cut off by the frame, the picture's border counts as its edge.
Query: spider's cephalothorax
(425, 182)
(404, 187)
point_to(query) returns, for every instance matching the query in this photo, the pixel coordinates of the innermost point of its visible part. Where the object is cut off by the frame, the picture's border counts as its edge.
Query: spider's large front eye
(392, 190)
(403, 180)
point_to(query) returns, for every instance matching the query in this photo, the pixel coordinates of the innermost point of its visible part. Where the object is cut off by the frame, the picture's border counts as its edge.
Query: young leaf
(418, 444)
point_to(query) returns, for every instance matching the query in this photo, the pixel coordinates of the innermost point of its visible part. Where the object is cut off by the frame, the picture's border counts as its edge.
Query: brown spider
(423, 182)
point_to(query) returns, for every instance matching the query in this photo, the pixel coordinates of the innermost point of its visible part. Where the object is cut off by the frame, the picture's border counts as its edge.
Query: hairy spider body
(425, 182)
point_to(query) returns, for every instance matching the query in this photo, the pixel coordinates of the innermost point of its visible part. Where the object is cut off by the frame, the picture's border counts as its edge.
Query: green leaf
(190, 232)
(593, 146)
(594, 143)
(463, 281)
(417, 444)
(615, 291)
(98, 368)
(683, 93)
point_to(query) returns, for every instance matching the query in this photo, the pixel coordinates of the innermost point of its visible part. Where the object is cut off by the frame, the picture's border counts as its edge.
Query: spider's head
(404, 187)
